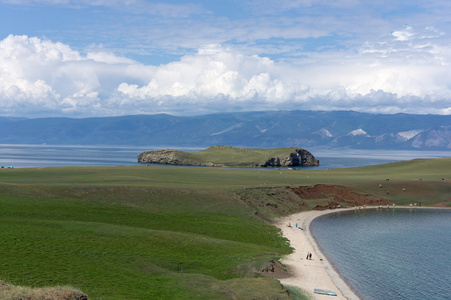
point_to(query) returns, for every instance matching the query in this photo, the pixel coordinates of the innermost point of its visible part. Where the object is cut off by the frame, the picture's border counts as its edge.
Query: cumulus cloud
(216, 71)
(42, 76)
(390, 75)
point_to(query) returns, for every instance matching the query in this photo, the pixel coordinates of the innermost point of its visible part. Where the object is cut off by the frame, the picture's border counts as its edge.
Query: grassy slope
(232, 156)
(421, 179)
(126, 232)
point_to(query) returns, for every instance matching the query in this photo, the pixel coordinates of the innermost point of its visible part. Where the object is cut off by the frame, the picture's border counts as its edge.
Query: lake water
(25, 156)
(390, 253)
(28, 156)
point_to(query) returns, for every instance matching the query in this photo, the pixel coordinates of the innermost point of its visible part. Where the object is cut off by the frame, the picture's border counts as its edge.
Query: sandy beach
(316, 273)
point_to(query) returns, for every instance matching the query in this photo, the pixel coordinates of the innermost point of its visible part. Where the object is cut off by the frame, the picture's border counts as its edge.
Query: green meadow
(171, 232)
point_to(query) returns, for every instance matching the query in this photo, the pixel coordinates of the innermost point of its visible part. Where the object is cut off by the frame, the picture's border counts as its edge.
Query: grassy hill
(128, 232)
(230, 157)
(234, 156)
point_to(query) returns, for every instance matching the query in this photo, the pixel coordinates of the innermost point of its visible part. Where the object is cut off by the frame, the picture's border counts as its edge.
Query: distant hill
(269, 129)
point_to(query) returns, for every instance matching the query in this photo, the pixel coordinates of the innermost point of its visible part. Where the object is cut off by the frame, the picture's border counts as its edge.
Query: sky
(90, 58)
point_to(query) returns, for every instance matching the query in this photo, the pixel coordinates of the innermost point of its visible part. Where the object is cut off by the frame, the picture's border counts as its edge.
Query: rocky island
(226, 156)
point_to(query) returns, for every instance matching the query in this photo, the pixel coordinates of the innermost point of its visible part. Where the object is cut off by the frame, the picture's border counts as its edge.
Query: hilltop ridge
(266, 129)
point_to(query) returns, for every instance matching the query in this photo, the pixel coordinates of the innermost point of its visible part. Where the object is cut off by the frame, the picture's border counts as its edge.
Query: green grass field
(128, 232)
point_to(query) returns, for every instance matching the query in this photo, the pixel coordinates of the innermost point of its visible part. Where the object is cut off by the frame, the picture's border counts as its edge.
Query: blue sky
(118, 57)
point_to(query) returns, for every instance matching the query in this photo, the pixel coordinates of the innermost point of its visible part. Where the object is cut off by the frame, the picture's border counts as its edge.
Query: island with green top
(226, 156)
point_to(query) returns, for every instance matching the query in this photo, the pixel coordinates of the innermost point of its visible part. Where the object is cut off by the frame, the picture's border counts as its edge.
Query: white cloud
(263, 54)
(403, 35)
(43, 77)
(215, 71)
(280, 29)
(366, 81)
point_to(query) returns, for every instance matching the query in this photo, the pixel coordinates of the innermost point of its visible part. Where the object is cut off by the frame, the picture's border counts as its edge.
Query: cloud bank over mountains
(39, 76)
(81, 58)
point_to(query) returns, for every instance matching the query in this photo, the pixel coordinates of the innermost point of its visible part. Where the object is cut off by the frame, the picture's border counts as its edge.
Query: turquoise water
(390, 253)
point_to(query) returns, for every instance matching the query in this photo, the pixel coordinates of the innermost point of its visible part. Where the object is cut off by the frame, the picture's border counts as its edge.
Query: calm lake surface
(390, 253)
(25, 156)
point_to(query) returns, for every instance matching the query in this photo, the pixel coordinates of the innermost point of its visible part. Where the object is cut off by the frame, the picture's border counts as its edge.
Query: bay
(398, 253)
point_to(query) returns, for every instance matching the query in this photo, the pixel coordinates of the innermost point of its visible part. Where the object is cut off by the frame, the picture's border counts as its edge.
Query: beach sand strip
(316, 273)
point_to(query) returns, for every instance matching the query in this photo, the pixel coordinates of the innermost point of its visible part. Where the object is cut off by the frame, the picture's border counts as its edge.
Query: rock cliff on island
(299, 157)
(225, 156)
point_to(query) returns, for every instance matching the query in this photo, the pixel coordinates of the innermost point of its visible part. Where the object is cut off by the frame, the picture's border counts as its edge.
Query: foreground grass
(116, 240)
(123, 252)
(12, 292)
(128, 232)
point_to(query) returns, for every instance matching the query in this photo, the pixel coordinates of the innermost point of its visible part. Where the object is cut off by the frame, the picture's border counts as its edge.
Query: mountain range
(245, 129)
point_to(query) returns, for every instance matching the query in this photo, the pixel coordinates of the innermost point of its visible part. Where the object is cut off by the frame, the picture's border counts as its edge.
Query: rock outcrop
(172, 157)
(297, 157)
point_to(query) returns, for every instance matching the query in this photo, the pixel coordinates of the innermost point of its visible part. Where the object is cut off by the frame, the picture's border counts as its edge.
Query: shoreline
(317, 273)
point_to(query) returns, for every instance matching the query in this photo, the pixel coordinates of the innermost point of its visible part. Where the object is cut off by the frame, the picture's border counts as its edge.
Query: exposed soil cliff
(270, 203)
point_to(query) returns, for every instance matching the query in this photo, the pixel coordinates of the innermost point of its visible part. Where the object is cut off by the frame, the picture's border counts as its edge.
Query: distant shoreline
(38, 155)
(319, 272)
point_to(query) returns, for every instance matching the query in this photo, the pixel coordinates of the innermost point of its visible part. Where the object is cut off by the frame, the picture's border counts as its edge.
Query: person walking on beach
(310, 255)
